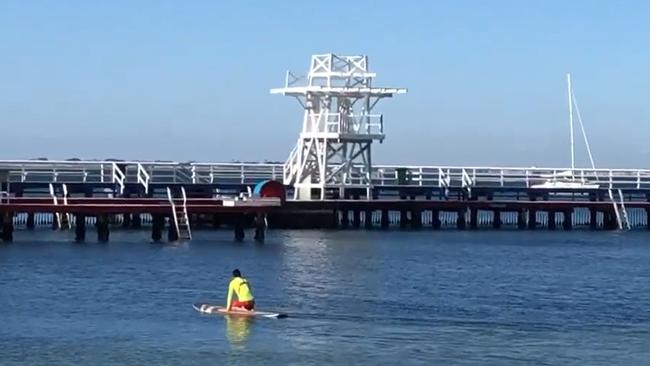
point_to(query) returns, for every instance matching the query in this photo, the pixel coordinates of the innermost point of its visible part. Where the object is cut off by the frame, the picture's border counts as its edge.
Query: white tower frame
(334, 147)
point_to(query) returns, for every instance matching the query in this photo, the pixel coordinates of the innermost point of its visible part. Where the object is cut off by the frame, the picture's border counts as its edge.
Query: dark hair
(236, 273)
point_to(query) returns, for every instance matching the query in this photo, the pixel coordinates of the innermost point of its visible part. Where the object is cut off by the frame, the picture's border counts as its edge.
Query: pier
(329, 180)
(130, 194)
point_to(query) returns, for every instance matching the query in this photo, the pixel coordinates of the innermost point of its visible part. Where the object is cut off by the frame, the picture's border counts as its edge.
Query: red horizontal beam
(92, 206)
(98, 209)
(114, 201)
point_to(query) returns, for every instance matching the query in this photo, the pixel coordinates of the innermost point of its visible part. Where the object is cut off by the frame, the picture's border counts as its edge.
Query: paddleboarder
(241, 288)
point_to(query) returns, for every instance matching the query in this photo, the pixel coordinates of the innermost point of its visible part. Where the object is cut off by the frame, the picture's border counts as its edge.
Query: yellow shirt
(240, 287)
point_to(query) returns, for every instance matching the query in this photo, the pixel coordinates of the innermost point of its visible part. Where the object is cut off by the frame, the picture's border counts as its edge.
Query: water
(464, 298)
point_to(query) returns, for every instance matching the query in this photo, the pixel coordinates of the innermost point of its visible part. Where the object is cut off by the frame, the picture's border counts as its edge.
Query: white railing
(466, 181)
(148, 173)
(342, 123)
(143, 178)
(118, 177)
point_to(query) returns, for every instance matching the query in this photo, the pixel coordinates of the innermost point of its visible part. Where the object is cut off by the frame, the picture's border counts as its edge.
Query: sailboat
(567, 179)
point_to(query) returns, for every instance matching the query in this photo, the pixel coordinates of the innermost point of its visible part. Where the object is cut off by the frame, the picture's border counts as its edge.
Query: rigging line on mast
(582, 128)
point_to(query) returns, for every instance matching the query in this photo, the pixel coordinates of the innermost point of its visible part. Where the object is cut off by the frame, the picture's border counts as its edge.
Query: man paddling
(241, 288)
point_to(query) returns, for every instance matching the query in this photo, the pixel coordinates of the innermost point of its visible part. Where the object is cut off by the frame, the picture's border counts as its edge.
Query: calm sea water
(463, 298)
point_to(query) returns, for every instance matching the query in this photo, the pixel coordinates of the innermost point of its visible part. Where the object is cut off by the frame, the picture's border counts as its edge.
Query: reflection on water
(238, 329)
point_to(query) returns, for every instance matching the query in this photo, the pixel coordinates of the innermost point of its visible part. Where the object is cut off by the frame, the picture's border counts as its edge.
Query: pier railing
(146, 173)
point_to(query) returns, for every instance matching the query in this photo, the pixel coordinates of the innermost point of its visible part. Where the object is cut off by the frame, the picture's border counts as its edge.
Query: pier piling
(102, 228)
(8, 227)
(172, 233)
(345, 221)
(216, 221)
(136, 221)
(260, 227)
(435, 219)
(567, 223)
(126, 221)
(158, 225)
(521, 219)
(356, 219)
(80, 228)
(532, 219)
(416, 219)
(473, 218)
(239, 228)
(385, 221)
(496, 221)
(593, 219)
(461, 221)
(30, 221)
(403, 219)
(551, 220)
(368, 219)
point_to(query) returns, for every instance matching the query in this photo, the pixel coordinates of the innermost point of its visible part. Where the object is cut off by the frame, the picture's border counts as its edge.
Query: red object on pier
(270, 189)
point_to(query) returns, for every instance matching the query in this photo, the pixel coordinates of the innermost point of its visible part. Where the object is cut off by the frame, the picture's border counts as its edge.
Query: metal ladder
(57, 215)
(622, 220)
(180, 216)
(626, 220)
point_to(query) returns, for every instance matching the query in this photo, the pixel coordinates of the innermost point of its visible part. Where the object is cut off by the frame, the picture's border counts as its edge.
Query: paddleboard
(215, 309)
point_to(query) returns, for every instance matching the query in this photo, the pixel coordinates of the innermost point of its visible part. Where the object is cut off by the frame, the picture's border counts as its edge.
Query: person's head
(236, 273)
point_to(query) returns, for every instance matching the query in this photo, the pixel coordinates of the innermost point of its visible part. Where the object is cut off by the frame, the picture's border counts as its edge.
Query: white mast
(570, 94)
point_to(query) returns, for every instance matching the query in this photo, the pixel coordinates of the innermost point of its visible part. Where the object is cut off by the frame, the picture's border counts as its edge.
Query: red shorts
(248, 305)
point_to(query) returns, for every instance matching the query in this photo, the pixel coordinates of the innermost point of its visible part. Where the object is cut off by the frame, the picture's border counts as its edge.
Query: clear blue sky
(190, 80)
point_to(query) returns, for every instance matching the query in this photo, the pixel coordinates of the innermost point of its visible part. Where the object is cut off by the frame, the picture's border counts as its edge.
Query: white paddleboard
(215, 309)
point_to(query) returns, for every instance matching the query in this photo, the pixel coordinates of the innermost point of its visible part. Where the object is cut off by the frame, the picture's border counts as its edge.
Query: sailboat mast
(570, 94)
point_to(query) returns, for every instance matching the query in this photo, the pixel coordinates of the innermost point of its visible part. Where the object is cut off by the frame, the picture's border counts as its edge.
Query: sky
(190, 80)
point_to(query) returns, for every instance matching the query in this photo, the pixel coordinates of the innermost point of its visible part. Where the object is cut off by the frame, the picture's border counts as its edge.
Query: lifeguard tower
(333, 152)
